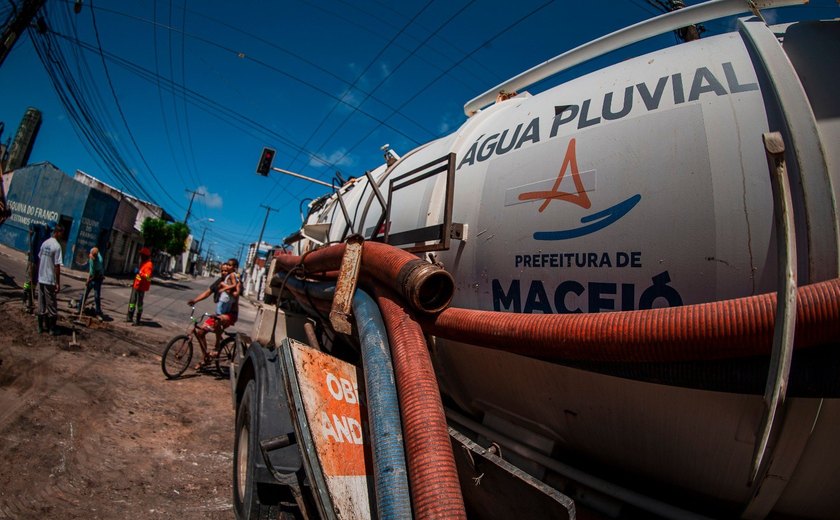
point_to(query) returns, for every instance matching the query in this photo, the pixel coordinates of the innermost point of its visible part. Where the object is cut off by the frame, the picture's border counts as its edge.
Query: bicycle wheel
(176, 356)
(226, 351)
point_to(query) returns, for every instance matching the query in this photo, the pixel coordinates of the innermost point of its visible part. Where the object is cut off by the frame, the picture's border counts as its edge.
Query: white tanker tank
(644, 185)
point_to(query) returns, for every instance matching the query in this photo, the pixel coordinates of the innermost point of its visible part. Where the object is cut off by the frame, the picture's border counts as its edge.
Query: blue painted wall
(43, 194)
(94, 227)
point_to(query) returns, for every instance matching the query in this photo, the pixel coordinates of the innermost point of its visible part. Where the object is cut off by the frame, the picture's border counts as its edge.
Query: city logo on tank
(589, 223)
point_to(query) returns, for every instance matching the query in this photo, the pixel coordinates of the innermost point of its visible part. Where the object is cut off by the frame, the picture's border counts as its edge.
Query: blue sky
(184, 95)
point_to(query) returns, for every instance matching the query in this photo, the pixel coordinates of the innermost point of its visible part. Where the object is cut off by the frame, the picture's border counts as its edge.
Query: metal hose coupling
(426, 287)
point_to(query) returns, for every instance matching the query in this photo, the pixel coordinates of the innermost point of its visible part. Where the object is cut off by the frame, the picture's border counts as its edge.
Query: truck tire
(246, 500)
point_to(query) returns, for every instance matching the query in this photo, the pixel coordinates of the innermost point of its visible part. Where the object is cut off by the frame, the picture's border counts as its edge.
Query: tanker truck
(616, 298)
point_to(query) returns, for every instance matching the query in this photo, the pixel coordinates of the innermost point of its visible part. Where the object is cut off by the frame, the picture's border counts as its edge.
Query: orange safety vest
(143, 280)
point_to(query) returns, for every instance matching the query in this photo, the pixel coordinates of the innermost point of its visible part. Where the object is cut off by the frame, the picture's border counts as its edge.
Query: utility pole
(259, 240)
(239, 253)
(21, 21)
(201, 242)
(194, 193)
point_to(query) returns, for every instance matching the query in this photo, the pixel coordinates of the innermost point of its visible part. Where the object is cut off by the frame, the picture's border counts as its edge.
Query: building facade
(43, 194)
(91, 212)
(125, 238)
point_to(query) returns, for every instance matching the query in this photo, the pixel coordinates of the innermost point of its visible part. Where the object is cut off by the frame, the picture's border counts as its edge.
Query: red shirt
(143, 280)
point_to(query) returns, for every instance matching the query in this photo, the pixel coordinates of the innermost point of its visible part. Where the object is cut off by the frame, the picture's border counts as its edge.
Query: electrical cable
(359, 77)
(398, 66)
(311, 63)
(78, 107)
(187, 125)
(120, 110)
(305, 82)
(160, 101)
(437, 78)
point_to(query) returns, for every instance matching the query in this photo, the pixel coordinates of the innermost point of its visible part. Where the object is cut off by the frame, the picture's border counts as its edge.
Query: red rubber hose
(727, 329)
(432, 475)
(426, 287)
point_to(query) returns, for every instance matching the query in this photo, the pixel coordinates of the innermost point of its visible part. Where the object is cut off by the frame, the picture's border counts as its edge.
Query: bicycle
(177, 355)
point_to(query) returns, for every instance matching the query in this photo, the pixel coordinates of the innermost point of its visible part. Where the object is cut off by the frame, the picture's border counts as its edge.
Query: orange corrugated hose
(433, 477)
(426, 287)
(711, 331)
(435, 490)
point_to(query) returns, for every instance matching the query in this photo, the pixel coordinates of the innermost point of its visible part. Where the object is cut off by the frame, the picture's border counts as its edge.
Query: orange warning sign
(334, 411)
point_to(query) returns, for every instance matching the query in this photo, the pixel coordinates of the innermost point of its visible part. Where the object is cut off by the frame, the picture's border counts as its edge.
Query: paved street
(165, 310)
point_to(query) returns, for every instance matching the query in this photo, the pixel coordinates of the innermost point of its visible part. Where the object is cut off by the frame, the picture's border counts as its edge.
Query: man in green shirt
(96, 273)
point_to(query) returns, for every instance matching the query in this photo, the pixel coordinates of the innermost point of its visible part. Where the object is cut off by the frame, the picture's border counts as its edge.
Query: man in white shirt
(49, 282)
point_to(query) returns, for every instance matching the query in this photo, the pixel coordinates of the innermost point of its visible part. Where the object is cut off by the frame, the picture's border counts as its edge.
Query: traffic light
(266, 159)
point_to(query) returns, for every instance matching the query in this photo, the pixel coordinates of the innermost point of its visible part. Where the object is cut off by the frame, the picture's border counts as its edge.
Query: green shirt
(95, 268)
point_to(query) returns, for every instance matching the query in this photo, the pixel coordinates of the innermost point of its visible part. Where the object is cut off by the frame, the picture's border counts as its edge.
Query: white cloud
(337, 158)
(211, 200)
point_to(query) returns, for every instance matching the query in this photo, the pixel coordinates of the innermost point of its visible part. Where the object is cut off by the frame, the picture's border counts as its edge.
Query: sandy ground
(98, 432)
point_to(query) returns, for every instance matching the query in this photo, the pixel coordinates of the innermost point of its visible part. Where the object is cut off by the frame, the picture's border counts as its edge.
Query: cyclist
(227, 283)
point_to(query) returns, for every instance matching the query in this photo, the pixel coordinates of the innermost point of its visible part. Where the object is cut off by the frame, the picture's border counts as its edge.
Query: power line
(199, 100)
(360, 76)
(89, 125)
(160, 99)
(440, 39)
(175, 110)
(183, 91)
(307, 61)
(455, 64)
(184, 82)
(119, 107)
(399, 65)
(77, 102)
(242, 55)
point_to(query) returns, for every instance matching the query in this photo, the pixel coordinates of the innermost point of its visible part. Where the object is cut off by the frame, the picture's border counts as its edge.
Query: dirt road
(99, 433)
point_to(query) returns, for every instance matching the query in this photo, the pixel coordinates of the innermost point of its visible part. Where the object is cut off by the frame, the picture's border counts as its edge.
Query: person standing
(142, 283)
(49, 282)
(96, 274)
(38, 233)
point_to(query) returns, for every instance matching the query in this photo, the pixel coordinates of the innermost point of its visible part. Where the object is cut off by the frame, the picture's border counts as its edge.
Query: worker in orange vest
(142, 283)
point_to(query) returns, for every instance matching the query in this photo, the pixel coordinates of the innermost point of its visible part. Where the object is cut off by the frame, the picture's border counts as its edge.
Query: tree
(154, 233)
(177, 243)
(159, 235)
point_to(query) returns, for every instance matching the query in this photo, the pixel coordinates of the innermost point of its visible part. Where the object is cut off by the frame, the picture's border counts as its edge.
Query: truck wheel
(246, 500)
